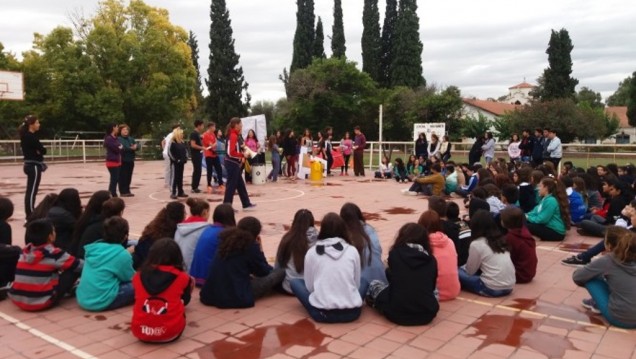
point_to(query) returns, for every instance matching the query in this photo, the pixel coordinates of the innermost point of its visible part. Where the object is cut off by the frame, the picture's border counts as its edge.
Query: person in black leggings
(33, 153)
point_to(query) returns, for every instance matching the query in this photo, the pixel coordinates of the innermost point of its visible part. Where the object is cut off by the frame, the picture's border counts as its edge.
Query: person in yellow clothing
(432, 184)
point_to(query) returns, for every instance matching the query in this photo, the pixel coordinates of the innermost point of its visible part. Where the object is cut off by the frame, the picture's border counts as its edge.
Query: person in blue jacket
(578, 208)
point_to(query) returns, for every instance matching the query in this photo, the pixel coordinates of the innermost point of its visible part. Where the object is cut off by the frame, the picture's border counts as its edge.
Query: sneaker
(411, 193)
(173, 196)
(127, 195)
(251, 207)
(591, 305)
(404, 191)
(574, 261)
(196, 190)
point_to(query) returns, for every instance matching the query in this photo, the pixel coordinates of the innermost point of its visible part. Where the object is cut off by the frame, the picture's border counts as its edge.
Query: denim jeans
(474, 284)
(600, 292)
(591, 252)
(299, 289)
(592, 227)
(114, 180)
(125, 296)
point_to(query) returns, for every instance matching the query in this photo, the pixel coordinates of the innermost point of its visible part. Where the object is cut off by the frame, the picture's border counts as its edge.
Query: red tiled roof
(621, 113)
(523, 85)
(496, 108)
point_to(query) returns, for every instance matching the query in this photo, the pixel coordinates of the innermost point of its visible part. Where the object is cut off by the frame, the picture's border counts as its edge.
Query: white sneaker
(404, 191)
(411, 193)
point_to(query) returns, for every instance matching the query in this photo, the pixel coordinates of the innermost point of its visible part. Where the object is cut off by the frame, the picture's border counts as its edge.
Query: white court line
(58, 343)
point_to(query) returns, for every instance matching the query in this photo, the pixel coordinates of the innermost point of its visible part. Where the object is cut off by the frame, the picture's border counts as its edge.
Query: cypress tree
(319, 41)
(388, 35)
(226, 83)
(371, 42)
(557, 80)
(338, 47)
(631, 101)
(304, 35)
(406, 67)
(194, 53)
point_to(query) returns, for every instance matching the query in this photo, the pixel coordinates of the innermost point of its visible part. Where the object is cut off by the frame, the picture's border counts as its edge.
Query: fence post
(371, 157)
(84, 151)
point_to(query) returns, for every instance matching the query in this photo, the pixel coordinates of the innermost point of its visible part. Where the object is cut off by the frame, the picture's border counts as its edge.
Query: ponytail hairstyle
(557, 189)
(24, 127)
(230, 126)
(197, 206)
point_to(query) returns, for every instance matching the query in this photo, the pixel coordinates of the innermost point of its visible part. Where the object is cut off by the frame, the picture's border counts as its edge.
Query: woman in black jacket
(421, 146)
(409, 298)
(178, 158)
(33, 153)
(289, 152)
(64, 214)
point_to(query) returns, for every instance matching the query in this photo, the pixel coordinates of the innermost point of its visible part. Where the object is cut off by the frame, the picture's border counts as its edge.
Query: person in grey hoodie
(611, 279)
(189, 231)
(329, 291)
(488, 147)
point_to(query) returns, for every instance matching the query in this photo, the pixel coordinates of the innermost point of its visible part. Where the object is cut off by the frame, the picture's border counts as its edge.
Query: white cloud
(481, 47)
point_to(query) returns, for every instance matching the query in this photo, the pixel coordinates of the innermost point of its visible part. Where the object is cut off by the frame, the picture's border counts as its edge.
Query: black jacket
(474, 155)
(421, 148)
(289, 146)
(527, 198)
(410, 297)
(64, 224)
(537, 148)
(32, 149)
(92, 233)
(178, 152)
(229, 279)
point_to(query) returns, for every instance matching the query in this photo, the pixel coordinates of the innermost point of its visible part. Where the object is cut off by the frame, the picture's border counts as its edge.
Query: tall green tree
(319, 41)
(589, 96)
(406, 67)
(338, 47)
(371, 40)
(144, 65)
(194, 50)
(388, 36)
(228, 96)
(557, 82)
(304, 35)
(631, 101)
(620, 96)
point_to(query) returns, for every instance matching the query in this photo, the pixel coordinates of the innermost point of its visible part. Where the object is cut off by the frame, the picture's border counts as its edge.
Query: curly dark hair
(165, 222)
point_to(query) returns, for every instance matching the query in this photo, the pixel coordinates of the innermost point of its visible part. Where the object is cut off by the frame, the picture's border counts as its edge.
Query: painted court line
(58, 343)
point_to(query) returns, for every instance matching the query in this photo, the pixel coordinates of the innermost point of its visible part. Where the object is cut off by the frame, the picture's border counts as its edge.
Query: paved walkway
(543, 319)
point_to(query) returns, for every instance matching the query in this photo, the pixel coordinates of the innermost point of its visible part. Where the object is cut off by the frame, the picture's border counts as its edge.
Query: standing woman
(252, 143)
(273, 147)
(421, 146)
(289, 151)
(233, 161)
(346, 146)
(127, 160)
(488, 147)
(513, 148)
(307, 141)
(221, 151)
(434, 146)
(33, 153)
(113, 157)
(445, 149)
(178, 157)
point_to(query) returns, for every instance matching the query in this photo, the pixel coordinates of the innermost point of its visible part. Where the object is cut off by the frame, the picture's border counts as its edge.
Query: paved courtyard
(543, 319)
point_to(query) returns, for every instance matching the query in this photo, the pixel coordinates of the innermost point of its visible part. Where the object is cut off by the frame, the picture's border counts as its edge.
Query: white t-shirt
(166, 147)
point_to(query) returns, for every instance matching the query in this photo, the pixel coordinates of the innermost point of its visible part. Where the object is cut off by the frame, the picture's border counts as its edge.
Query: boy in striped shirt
(45, 273)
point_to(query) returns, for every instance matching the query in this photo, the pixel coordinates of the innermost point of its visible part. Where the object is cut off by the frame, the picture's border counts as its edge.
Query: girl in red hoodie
(521, 243)
(162, 290)
(234, 161)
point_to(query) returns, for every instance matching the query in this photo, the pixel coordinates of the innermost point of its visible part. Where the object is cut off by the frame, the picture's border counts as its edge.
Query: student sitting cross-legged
(45, 273)
(108, 270)
(330, 289)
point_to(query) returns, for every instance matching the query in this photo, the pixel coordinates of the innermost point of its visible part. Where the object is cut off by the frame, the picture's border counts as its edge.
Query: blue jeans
(299, 289)
(125, 296)
(591, 252)
(474, 284)
(599, 290)
(114, 180)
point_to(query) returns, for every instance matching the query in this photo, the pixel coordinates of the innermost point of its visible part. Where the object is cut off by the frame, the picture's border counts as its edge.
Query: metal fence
(77, 150)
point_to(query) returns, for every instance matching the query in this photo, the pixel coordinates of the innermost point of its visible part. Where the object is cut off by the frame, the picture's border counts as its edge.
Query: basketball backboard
(11, 86)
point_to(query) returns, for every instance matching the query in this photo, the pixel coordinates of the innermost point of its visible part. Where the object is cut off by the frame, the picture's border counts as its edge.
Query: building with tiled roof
(519, 94)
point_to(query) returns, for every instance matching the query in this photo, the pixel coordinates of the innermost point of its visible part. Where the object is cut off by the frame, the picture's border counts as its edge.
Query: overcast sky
(483, 47)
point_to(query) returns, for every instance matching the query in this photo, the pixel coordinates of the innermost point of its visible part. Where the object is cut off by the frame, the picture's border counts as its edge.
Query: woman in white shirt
(513, 148)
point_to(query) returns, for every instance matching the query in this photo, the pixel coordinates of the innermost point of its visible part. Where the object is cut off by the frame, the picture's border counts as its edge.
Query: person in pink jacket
(448, 286)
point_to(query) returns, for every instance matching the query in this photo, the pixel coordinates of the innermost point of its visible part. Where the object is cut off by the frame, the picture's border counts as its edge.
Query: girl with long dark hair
(163, 225)
(294, 245)
(234, 160)
(33, 153)
(113, 157)
(64, 214)
(550, 219)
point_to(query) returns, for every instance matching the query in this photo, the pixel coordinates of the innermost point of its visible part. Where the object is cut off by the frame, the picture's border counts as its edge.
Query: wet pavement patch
(400, 210)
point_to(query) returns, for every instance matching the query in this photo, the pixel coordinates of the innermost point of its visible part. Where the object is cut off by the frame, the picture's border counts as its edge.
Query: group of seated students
(333, 269)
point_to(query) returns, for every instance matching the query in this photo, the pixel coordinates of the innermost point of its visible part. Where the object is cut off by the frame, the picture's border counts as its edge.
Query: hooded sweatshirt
(106, 267)
(497, 270)
(160, 299)
(621, 279)
(523, 253)
(410, 297)
(577, 205)
(187, 236)
(37, 275)
(446, 257)
(332, 275)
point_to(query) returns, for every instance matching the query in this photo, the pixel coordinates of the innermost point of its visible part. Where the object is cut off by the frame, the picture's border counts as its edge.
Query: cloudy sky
(483, 47)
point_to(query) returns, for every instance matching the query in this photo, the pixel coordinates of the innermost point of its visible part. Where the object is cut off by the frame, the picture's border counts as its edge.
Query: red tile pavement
(540, 319)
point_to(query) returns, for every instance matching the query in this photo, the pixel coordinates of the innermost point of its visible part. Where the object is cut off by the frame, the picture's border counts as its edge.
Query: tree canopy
(338, 47)
(304, 35)
(621, 95)
(406, 65)
(556, 80)
(319, 41)
(371, 40)
(631, 101)
(228, 96)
